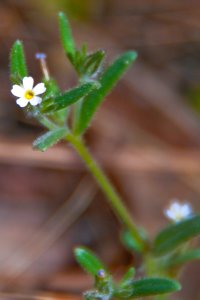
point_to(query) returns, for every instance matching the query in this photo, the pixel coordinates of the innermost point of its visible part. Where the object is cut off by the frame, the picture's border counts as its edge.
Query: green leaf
(182, 258)
(49, 139)
(125, 284)
(52, 91)
(68, 98)
(66, 36)
(128, 275)
(93, 62)
(88, 261)
(154, 286)
(18, 67)
(79, 59)
(150, 287)
(176, 234)
(130, 243)
(108, 80)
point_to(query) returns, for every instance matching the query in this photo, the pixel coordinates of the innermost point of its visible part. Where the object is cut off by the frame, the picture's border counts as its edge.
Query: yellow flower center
(29, 95)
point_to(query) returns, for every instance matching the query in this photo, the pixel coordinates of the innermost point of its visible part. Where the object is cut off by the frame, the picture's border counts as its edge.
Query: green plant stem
(112, 196)
(46, 122)
(76, 114)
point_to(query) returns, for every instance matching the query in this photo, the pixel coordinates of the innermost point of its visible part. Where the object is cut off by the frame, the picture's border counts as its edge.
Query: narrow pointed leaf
(52, 91)
(148, 287)
(18, 67)
(66, 36)
(128, 277)
(88, 261)
(49, 139)
(130, 243)
(154, 286)
(93, 62)
(108, 80)
(79, 59)
(68, 98)
(176, 234)
(182, 258)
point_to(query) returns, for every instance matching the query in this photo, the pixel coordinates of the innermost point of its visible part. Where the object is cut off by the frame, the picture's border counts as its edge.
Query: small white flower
(178, 211)
(27, 93)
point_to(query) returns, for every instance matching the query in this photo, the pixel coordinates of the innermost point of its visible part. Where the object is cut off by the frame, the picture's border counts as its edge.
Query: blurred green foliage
(193, 97)
(79, 9)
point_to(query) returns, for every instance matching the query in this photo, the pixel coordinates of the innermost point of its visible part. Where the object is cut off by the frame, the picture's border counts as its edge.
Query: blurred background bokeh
(146, 136)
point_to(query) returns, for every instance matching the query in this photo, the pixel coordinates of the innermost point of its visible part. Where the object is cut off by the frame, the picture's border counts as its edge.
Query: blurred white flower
(27, 93)
(178, 211)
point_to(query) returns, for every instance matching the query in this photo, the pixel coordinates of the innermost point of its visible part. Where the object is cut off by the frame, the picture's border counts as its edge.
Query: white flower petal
(178, 211)
(22, 102)
(175, 206)
(39, 89)
(169, 214)
(28, 83)
(35, 100)
(17, 90)
(186, 209)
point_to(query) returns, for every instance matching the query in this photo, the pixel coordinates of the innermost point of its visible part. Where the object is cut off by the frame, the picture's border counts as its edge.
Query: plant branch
(112, 196)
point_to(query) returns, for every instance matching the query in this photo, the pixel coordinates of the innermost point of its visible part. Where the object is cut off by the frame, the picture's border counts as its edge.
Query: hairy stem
(112, 196)
(46, 122)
